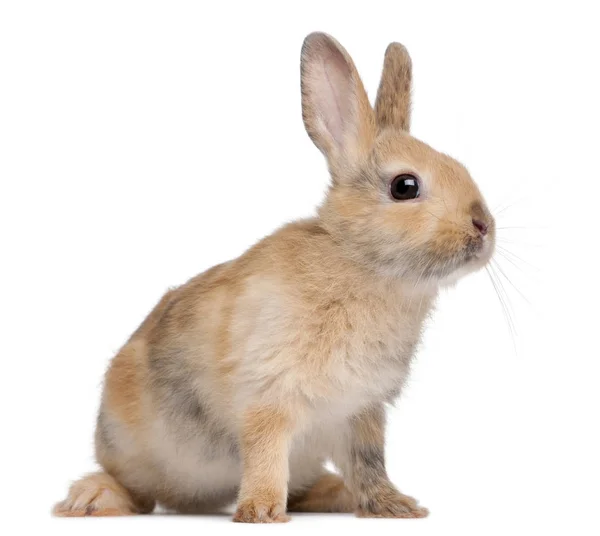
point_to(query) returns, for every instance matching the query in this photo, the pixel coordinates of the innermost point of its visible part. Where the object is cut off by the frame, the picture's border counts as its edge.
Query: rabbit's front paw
(259, 511)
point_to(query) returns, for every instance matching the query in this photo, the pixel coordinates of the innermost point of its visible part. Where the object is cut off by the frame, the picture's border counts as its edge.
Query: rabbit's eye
(405, 187)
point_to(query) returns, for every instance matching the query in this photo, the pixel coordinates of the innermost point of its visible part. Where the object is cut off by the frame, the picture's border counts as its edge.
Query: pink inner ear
(332, 79)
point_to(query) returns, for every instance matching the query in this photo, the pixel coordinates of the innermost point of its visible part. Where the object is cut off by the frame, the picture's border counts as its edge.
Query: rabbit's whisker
(504, 305)
(517, 242)
(511, 227)
(432, 214)
(503, 273)
(507, 258)
(509, 254)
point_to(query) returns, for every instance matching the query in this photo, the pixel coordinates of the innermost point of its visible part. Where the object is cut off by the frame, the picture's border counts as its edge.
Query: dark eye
(405, 187)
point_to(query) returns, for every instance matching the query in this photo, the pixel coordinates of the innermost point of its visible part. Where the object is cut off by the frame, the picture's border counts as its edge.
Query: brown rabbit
(244, 381)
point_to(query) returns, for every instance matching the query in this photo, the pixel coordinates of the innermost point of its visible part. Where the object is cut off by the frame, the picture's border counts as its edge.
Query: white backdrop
(143, 142)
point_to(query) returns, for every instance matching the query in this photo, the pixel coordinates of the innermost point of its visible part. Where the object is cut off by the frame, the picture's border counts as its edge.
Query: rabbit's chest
(337, 354)
(367, 361)
(372, 369)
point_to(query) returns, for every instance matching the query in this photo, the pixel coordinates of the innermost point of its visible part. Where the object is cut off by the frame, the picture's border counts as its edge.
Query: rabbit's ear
(335, 108)
(392, 106)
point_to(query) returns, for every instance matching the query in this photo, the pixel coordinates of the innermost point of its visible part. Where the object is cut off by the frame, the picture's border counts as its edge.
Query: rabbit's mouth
(478, 249)
(474, 255)
(469, 265)
(478, 252)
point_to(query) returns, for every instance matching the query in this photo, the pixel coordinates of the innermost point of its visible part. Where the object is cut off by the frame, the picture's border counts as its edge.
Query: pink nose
(482, 227)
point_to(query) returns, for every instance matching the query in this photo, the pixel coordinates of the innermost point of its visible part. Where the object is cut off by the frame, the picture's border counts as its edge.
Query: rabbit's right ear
(335, 108)
(392, 105)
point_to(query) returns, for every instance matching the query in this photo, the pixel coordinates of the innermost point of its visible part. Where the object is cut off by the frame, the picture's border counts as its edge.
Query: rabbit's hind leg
(327, 494)
(100, 494)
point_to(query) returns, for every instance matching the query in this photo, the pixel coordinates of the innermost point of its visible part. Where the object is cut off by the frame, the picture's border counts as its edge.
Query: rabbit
(245, 381)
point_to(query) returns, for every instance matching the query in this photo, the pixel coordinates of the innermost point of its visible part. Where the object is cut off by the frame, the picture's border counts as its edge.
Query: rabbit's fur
(245, 380)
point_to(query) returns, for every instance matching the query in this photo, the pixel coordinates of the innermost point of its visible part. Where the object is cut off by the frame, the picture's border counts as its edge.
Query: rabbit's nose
(481, 226)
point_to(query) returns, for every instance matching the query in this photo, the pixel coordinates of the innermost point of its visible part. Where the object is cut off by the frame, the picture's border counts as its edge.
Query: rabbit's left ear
(392, 106)
(336, 111)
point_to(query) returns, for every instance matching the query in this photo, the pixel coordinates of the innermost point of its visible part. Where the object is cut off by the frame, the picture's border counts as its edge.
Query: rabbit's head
(395, 204)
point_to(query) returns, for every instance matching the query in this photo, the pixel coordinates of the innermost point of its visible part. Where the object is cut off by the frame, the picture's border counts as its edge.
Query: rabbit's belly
(193, 462)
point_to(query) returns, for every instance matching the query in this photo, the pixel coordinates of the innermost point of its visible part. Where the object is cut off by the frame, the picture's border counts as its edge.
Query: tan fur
(326, 63)
(363, 464)
(328, 494)
(124, 384)
(100, 495)
(245, 380)
(265, 440)
(392, 107)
